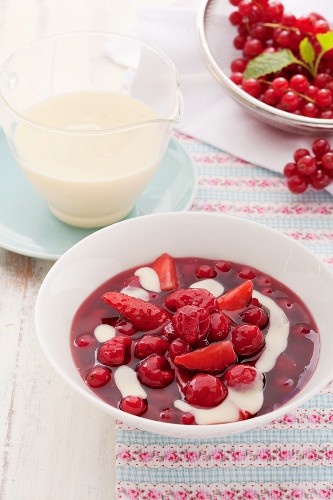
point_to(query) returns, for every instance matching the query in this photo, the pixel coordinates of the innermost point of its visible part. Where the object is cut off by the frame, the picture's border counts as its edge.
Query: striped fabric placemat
(289, 458)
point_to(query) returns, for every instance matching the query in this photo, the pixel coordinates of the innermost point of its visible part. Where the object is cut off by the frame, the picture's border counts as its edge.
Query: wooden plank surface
(53, 445)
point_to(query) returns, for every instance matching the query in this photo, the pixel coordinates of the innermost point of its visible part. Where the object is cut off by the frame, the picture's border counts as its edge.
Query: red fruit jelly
(206, 340)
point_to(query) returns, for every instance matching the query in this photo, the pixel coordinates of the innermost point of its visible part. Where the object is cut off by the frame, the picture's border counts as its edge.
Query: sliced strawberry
(213, 358)
(143, 315)
(237, 298)
(166, 270)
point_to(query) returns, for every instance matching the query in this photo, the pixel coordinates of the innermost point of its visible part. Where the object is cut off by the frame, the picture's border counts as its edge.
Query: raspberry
(115, 352)
(191, 323)
(150, 344)
(239, 376)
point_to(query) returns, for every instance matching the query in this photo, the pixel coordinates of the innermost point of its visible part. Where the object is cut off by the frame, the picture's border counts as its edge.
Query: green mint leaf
(325, 40)
(307, 51)
(264, 64)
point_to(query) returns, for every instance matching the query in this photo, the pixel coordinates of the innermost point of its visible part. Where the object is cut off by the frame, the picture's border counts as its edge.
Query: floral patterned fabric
(289, 458)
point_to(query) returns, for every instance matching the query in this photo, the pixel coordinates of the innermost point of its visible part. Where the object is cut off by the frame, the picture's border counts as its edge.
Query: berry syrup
(291, 371)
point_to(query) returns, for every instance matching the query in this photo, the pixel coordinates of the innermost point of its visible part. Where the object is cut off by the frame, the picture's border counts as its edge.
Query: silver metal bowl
(215, 37)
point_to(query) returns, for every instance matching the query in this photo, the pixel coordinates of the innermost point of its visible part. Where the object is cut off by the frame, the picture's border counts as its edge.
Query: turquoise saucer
(27, 226)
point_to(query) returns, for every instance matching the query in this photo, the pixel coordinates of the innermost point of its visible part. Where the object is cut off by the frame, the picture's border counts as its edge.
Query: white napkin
(210, 114)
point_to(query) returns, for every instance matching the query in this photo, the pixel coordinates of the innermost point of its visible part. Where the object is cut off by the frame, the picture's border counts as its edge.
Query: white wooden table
(54, 445)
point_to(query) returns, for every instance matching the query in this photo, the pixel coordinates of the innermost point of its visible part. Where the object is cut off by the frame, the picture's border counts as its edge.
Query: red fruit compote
(194, 341)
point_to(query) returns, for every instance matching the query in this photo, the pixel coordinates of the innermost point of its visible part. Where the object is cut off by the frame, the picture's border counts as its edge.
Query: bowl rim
(201, 431)
(240, 95)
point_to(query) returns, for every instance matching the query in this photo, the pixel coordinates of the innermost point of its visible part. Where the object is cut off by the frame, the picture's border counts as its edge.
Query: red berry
(168, 415)
(238, 65)
(321, 26)
(240, 376)
(320, 180)
(320, 147)
(222, 266)
(280, 85)
(299, 153)
(178, 347)
(191, 323)
(169, 332)
(270, 97)
(324, 98)
(155, 371)
(235, 18)
(150, 344)
(288, 20)
(252, 86)
(299, 83)
(273, 12)
(306, 165)
(255, 316)
(321, 80)
(245, 7)
(290, 101)
(205, 271)
(327, 160)
(84, 341)
(310, 110)
(220, 326)
(252, 48)
(290, 169)
(115, 352)
(187, 419)
(239, 42)
(134, 405)
(205, 390)
(247, 273)
(297, 184)
(247, 339)
(98, 376)
(237, 78)
(311, 91)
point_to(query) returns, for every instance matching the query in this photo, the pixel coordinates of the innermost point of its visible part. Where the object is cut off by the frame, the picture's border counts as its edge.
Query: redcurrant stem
(278, 25)
(303, 96)
(320, 55)
(309, 67)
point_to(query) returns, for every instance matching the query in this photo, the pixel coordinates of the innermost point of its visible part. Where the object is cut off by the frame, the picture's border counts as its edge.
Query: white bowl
(133, 242)
(215, 39)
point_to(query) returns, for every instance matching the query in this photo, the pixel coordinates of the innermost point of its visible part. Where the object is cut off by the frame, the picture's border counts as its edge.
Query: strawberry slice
(166, 270)
(213, 358)
(143, 315)
(237, 298)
